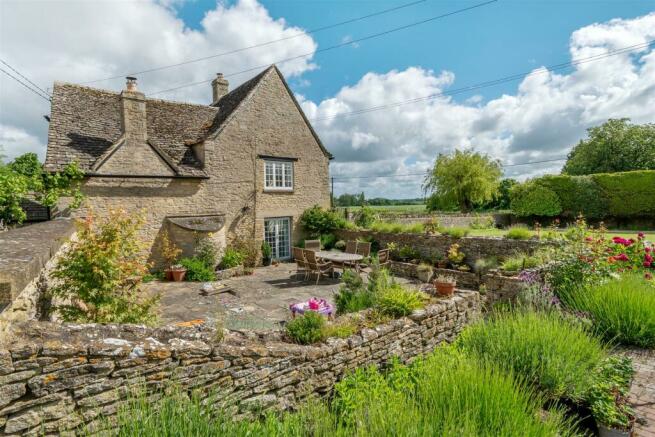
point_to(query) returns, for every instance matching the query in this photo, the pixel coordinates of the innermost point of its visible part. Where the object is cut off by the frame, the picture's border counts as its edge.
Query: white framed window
(278, 175)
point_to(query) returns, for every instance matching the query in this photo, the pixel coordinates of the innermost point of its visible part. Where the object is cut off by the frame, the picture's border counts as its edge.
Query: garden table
(339, 257)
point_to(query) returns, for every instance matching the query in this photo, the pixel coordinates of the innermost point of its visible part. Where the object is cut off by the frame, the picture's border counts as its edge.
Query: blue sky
(502, 38)
(538, 118)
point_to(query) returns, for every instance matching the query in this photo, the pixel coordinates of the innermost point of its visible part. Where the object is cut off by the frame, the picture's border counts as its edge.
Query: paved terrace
(257, 301)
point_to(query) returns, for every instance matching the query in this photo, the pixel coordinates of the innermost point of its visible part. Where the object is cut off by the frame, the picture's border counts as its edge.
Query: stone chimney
(133, 113)
(219, 87)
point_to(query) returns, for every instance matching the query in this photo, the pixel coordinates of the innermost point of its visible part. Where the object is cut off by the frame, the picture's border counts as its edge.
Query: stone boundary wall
(24, 254)
(55, 378)
(499, 288)
(428, 244)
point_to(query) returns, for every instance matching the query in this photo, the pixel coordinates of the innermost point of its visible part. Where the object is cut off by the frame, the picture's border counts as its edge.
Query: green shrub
(444, 394)
(103, 269)
(231, 258)
(328, 241)
(518, 233)
(339, 330)
(365, 217)
(397, 228)
(621, 309)
(352, 295)
(455, 231)
(318, 221)
(521, 261)
(197, 270)
(629, 193)
(482, 222)
(577, 195)
(397, 301)
(267, 251)
(207, 252)
(307, 329)
(553, 353)
(607, 396)
(533, 199)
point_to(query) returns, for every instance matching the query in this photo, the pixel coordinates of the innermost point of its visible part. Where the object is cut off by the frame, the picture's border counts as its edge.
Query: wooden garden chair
(314, 245)
(317, 267)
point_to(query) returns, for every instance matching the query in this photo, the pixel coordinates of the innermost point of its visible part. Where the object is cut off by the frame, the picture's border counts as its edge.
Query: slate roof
(86, 122)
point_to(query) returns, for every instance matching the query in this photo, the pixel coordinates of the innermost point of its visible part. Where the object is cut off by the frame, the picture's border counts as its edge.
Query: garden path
(642, 393)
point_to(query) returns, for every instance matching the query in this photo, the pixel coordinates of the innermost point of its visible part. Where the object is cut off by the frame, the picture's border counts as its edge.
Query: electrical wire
(25, 85)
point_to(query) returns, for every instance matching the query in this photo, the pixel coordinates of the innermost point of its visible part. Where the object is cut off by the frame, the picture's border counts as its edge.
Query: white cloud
(84, 41)
(546, 116)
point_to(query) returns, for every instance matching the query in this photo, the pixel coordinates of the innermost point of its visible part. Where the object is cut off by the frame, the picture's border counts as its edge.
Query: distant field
(390, 208)
(650, 235)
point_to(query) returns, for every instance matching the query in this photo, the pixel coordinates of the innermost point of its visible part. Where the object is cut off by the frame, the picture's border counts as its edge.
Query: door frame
(289, 220)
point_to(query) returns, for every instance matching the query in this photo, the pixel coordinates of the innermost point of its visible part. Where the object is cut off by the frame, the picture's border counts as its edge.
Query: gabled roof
(85, 125)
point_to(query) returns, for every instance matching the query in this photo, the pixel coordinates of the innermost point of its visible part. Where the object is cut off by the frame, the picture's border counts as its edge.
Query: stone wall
(25, 257)
(54, 378)
(497, 287)
(429, 244)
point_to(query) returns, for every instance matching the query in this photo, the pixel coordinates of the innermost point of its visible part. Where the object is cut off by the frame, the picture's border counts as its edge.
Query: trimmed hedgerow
(629, 193)
(577, 195)
(533, 199)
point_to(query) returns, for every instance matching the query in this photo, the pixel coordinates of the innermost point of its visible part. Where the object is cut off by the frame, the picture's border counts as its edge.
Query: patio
(257, 301)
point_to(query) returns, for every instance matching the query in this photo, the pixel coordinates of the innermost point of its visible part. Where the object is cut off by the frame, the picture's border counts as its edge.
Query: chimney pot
(219, 87)
(131, 83)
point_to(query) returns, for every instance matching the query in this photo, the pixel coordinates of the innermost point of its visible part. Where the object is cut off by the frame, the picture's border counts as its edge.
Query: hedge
(625, 194)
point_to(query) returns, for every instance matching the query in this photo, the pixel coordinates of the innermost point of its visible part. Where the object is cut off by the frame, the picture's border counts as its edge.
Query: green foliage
(483, 222)
(339, 330)
(533, 199)
(353, 296)
(455, 231)
(520, 261)
(621, 309)
(307, 329)
(267, 251)
(207, 252)
(25, 175)
(317, 221)
(615, 146)
(397, 228)
(577, 195)
(518, 233)
(232, 257)
(628, 194)
(552, 353)
(397, 301)
(365, 217)
(465, 177)
(197, 270)
(100, 274)
(328, 241)
(502, 199)
(607, 396)
(350, 200)
(248, 249)
(444, 394)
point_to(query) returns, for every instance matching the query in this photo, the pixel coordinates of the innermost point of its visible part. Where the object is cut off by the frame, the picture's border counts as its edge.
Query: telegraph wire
(336, 46)
(242, 49)
(337, 178)
(26, 78)
(25, 85)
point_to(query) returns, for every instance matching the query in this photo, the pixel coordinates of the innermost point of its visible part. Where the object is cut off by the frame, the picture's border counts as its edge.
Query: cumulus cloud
(546, 116)
(83, 41)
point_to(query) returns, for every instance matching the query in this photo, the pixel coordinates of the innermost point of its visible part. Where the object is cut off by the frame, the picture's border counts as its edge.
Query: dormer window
(278, 175)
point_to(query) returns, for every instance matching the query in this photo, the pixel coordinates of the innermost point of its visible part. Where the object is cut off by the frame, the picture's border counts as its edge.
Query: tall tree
(465, 178)
(616, 145)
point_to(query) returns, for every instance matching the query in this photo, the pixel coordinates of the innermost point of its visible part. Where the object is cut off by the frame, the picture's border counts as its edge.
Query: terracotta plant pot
(266, 261)
(168, 274)
(444, 288)
(178, 275)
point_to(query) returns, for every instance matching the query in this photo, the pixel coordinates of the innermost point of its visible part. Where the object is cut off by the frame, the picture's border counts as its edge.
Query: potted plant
(424, 272)
(440, 261)
(445, 285)
(455, 256)
(177, 272)
(170, 252)
(266, 253)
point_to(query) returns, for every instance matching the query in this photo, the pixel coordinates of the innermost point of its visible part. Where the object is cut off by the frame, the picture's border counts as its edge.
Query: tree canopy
(614, 146)
(465, 178)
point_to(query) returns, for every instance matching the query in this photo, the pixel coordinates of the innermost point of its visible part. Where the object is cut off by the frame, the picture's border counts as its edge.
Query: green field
(650, 235)
(398, 209)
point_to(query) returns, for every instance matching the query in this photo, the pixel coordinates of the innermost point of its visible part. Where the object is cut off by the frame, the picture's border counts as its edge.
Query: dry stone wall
(54, 378)
(429, 244)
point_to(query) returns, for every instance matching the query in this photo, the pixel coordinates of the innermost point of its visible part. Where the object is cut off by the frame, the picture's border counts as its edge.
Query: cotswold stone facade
(170, 159)
(55, 378)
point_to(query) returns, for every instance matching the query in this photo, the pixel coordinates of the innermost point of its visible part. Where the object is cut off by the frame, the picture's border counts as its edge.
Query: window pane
(269, 174)
(278, 174)
(288, 175)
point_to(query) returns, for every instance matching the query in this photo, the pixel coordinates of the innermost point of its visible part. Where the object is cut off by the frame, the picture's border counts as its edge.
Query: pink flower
(647, 249)
(648, 258)
(640, 235)
(589, 239)
(622, 257)
(647, 263)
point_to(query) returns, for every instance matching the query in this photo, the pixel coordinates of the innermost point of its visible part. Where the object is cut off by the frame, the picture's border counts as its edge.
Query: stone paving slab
(642, 392)
(258, 301)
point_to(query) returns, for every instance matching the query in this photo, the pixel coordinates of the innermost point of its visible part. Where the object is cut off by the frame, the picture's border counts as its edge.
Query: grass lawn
(650, 235)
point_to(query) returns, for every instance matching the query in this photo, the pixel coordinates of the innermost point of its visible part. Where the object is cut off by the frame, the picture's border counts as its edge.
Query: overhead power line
(493, 82)
(24, 84)
(333, 47)
(26, 78)
(263, 44)
(338, 178)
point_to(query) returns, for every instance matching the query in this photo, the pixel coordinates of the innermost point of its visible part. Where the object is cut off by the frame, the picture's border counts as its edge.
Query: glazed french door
(277, 232)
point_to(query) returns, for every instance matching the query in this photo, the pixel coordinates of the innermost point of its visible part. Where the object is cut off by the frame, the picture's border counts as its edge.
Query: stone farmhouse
(245, 166)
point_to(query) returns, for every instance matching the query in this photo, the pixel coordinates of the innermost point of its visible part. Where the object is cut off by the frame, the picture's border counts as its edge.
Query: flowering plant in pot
(170, 252)
(455, 256)
(424, 272)
(445, 285)
(608, 397)
(177, 272)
